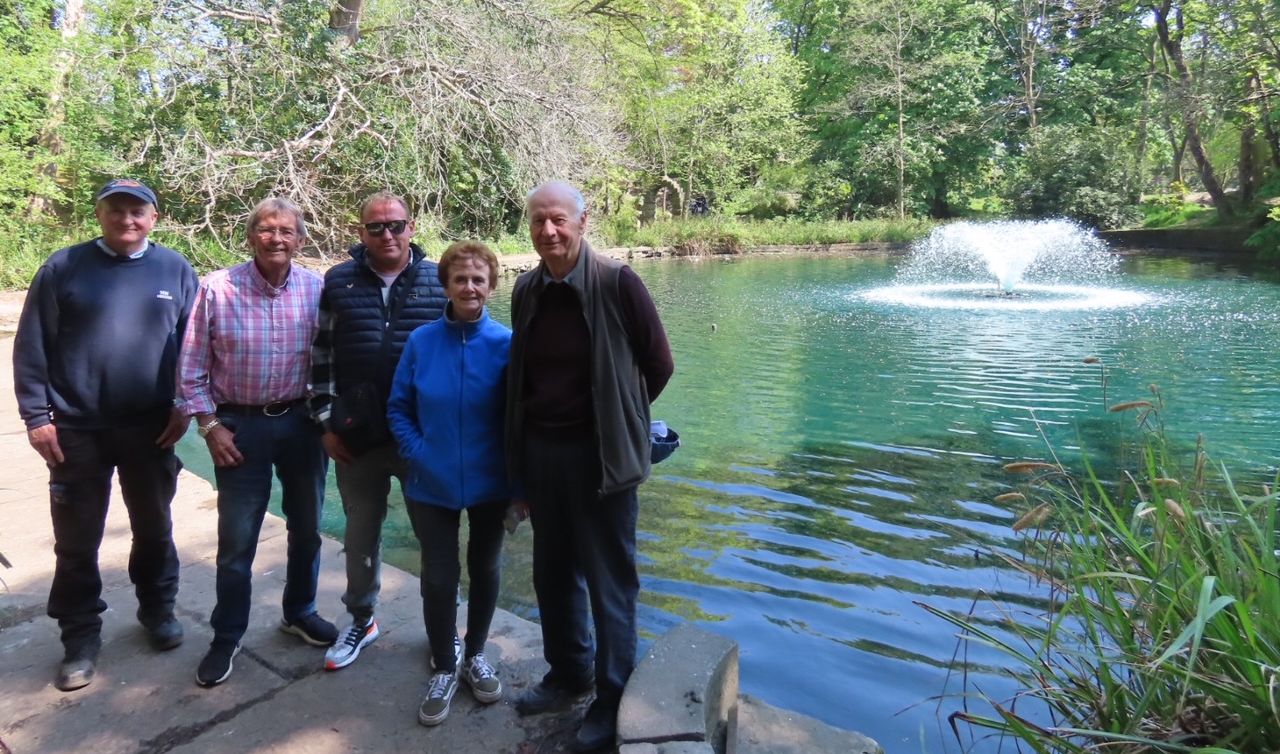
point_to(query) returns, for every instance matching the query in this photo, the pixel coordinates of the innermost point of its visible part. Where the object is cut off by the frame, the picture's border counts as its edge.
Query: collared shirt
(570, 278)
(113, 253)
(248, 342)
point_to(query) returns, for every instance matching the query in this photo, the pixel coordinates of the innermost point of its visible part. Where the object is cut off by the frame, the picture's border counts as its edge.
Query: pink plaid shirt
(246, 342)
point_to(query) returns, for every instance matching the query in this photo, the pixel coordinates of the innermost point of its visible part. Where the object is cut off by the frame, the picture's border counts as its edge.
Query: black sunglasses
(395, 226)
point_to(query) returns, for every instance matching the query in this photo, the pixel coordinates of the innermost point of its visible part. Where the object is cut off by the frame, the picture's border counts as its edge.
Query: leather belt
(276, 408)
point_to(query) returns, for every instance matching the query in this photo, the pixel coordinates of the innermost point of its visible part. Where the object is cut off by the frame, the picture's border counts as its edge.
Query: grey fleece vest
(620, 400)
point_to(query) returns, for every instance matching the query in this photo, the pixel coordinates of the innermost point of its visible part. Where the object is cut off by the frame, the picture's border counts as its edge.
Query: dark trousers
(291, 445)
(79, 491)
(437, 531)
(584, 552)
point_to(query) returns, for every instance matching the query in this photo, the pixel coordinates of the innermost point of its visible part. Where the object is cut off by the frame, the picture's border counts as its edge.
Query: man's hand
(222, 447)
(175, 429)
(45, 441)
(517, 511)
(336, 448)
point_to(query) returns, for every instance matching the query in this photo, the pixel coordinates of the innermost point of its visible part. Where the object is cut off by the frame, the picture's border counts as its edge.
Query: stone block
(682, 691)
(762, 729)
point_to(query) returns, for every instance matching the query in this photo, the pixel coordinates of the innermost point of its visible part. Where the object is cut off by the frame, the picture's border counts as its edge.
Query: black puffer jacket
(351, 321)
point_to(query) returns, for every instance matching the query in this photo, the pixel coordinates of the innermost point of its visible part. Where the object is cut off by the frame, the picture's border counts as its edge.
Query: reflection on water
(840, 457)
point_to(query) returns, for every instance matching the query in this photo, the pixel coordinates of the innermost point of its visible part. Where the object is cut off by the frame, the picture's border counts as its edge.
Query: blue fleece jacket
(446, 412)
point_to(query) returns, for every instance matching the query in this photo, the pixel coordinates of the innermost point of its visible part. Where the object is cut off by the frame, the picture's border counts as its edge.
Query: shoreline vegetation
(691, 237)
(679, 238)
(1161, 627)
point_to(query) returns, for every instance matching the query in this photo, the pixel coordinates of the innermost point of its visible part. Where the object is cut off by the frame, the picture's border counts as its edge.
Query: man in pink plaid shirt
(243, 372)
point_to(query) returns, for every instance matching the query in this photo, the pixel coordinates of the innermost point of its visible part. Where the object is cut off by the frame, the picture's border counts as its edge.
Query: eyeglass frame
(397, 227)
(285, 233)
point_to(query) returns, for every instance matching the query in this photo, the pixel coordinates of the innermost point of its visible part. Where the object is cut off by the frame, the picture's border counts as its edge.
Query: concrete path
(278, 699)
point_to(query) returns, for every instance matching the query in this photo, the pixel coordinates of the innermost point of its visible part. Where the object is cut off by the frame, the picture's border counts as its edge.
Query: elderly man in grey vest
(588, 356)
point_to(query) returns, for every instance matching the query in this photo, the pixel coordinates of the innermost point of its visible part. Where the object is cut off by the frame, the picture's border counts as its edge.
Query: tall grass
(1163, 633)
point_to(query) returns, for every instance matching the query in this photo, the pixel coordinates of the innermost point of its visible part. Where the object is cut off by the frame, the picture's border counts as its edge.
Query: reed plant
(1162, 630)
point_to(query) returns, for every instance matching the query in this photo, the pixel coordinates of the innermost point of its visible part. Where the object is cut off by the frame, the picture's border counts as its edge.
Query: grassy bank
(717, 235)
(21, 257)
(1163, 629)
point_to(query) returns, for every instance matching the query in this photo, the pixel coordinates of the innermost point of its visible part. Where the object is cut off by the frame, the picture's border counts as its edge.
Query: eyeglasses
(395, 226)
(285, 233)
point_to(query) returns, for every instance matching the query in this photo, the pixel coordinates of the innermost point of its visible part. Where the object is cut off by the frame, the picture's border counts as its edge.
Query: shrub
(1267, 239)
(1072, 171)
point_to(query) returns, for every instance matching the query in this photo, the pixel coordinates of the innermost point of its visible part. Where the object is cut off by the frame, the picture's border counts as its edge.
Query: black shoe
(216, 665)
(599, 729)
(312, 629)
(165, 633)
(76, 670)
(551, 694)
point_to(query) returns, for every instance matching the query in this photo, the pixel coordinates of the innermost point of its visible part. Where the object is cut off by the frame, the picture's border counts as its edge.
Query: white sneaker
(347, 648)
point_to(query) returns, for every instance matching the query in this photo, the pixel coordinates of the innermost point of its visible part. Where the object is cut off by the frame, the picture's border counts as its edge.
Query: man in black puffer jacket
(385, 291)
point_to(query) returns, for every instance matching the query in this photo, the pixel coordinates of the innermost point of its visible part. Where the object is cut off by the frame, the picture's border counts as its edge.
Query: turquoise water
(841, 455)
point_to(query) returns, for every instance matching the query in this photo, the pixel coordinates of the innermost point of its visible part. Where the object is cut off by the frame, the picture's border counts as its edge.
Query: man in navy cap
(95, 363)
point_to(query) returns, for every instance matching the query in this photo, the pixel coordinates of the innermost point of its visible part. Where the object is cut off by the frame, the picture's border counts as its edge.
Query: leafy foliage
(818, 109)
(1068, 171)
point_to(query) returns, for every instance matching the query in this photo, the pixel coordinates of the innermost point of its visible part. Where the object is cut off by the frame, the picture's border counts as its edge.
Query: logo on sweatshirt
(167, 296)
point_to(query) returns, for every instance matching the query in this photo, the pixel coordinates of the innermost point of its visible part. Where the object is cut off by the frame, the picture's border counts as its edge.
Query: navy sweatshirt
(97, 344)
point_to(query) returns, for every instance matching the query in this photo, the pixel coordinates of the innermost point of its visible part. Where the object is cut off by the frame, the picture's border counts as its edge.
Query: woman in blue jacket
(446, 411)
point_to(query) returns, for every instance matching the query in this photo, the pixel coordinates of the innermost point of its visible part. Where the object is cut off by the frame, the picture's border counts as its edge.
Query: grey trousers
(364, 486)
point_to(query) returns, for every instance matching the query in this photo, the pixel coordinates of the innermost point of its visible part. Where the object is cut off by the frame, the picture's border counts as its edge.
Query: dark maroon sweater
(557, 374)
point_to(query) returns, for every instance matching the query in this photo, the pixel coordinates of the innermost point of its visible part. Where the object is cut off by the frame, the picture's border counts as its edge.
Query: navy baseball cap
(128, 186)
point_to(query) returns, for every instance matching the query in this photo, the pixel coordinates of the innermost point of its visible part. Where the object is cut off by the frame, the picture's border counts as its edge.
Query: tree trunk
(900, 85)
(1190, 115)
(1178, 148)
(344, 18)
(939, 207)
(72, 21)
(1144, 119)
(1269, 131)
(1248, 165)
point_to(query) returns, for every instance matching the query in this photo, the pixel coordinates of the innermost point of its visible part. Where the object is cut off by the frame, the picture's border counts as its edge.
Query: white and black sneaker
(217, 664)
(435, 708)
(482, 679)
(351, 640)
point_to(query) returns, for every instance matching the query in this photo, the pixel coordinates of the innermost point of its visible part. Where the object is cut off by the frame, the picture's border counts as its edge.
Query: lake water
(841, 455)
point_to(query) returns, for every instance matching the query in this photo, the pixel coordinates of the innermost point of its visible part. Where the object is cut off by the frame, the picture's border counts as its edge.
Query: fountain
(1038, 264)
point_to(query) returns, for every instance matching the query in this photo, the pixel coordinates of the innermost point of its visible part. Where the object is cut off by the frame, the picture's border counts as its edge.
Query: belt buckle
(278, 408)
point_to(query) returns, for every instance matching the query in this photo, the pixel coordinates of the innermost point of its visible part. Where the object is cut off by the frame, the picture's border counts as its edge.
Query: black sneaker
(76, 669)
(552, 694)
(216, 665)
(312, 629)
(599, 730)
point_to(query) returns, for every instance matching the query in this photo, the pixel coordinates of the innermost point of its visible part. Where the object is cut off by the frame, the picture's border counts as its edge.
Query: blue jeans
(291, 444)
